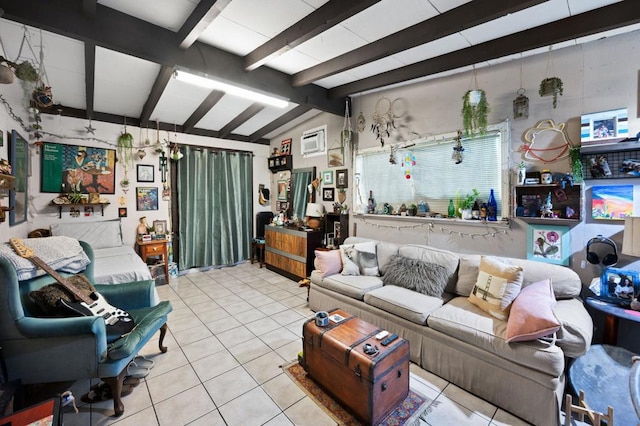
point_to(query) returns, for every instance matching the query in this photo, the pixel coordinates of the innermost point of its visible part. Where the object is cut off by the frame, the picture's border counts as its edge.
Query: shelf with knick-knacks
(561, 202)
(280, 162)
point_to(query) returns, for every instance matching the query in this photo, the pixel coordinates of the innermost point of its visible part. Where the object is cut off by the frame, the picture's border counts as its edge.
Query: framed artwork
(548, 244)
(285, 148)
(619, 285)
(144, 173)
(342, 178)
(328, 194)
(160, 226)
(146, 198)
(283, 194)
(66, 168)
(335, 157)
(337, 230)
(327, 177)
(613, 202)
(122, 212)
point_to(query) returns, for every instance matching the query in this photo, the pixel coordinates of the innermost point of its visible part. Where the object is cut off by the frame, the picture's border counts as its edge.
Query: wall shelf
(567, 203)
(280, 162)
(60, 206)
(622, 161)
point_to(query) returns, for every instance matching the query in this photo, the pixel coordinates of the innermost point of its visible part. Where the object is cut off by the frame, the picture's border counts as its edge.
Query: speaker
(609, 259)
(262, 219)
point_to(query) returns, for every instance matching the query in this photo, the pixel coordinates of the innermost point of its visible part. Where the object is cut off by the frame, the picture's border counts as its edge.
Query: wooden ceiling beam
(241, 119)
(201, 17)
(279, 122)
(326, 16)
(156, 92)
(450, 22)
(595, 21)
(202, 110)
(89, 76)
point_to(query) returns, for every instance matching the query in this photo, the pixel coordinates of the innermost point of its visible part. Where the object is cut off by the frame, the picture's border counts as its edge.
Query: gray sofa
(459, 342)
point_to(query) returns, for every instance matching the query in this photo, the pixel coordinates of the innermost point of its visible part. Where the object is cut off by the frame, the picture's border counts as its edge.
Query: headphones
(610, 259)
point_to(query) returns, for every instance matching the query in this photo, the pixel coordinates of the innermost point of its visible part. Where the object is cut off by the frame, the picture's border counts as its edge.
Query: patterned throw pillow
(497, 286)
(532, 315)
(359, 259)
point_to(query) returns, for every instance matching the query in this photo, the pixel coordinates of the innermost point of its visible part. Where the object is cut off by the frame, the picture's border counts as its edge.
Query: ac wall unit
(313, 141)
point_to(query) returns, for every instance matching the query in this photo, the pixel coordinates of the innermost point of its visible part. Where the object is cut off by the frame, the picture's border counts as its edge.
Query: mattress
(121, 264)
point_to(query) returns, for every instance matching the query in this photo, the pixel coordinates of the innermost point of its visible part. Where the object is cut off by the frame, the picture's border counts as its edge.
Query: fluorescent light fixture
(230, 89)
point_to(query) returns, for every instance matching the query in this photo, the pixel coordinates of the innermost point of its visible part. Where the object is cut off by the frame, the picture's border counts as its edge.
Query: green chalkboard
(68, 168)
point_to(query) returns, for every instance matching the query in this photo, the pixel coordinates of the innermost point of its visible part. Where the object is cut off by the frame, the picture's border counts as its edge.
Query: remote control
(382, 334)
(389, 339)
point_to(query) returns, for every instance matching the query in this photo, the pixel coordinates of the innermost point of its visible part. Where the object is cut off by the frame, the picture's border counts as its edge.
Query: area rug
(411, 412)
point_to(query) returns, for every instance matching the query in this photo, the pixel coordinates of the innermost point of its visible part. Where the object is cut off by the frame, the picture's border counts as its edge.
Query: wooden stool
(257, 245)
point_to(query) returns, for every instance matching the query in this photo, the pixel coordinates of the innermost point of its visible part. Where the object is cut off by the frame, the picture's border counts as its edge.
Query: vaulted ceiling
(111, 60)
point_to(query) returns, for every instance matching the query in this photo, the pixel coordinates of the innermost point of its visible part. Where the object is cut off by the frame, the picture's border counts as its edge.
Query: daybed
(456, 339)
(114, 261)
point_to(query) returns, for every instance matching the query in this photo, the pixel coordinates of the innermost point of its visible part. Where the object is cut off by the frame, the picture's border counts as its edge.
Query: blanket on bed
(60, 253)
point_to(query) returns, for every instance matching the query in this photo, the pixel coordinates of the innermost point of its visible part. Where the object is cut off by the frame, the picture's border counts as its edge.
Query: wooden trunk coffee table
(371, 386)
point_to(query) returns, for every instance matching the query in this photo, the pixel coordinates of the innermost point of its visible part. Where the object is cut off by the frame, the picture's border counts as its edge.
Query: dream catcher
(458, 149)
(383, 123)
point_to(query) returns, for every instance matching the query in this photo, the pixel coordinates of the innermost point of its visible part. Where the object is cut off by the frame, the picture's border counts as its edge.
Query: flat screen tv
(604, 126)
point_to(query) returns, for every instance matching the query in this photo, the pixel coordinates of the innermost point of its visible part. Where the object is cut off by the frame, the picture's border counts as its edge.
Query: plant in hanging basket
(24, 70)
(551, 86)
(125, 149)
(475, 110)
(42, 96)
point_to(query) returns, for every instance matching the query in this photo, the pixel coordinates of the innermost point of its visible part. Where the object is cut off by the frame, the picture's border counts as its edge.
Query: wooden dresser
(290, 252)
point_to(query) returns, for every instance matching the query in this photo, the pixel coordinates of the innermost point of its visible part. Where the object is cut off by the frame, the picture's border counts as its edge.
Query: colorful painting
(147, 198)
(612, 202)
(548, 244)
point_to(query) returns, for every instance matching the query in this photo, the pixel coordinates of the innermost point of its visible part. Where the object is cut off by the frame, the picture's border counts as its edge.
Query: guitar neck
(60, 279)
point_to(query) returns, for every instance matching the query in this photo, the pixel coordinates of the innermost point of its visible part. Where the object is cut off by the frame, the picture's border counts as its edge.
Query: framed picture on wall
(327, 177)
(342, 178)
(283, 194)
(122, 212)
(146, 198)
(335, 157)
(144, 172)
(328, 194)
(548, 244)
(285, 148)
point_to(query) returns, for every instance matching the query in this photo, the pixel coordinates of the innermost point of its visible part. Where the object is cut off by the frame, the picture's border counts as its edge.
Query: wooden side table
(155, 248)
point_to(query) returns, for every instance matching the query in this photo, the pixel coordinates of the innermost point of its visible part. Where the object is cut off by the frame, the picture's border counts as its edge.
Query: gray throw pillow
(423, 277)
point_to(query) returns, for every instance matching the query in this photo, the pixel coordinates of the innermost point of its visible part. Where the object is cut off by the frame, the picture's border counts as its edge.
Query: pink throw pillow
(328, 262)
(532, 313)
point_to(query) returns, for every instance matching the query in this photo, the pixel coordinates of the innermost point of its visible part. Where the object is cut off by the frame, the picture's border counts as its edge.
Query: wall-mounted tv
(604, 126)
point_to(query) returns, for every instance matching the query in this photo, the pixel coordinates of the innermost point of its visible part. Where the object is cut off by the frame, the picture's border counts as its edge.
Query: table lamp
(631, 247)
(314, 213)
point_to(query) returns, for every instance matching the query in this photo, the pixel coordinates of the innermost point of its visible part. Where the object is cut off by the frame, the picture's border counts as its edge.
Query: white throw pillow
(359, 259)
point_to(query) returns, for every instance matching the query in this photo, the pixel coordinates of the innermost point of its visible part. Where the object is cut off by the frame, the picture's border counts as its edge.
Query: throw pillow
(423, 277)
(532, 315)
(328, 262)
(359, 259)
(497, 286)
(48, 296)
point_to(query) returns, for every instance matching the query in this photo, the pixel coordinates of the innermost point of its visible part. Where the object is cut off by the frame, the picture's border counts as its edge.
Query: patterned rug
(411, 412)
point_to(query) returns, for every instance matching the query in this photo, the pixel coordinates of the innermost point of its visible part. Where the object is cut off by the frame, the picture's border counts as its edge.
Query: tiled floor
(230, 331)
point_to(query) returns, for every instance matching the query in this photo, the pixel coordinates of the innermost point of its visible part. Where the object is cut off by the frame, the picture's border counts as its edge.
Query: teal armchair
(42, 350)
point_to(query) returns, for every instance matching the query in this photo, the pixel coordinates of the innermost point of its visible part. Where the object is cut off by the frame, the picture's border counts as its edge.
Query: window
(427, 172)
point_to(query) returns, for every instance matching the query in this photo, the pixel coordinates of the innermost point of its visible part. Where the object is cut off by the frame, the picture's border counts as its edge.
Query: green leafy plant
(125, 149)
(551, 86)
(466, 203)
(576, 164)
(23, 70)
(474, 117)
(75, 197)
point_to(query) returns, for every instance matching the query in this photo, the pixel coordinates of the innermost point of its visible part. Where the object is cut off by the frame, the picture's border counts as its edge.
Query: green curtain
(214, 207)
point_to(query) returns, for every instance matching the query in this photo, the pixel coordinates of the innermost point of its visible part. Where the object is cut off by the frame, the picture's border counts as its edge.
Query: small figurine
(142, 226)
(547, 207)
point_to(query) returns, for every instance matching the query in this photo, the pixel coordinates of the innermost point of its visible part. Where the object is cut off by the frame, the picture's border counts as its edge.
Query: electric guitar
(93, 304)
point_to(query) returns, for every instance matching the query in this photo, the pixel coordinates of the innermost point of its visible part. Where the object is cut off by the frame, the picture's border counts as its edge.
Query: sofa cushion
(531, 315)
(462, 320)
(328, 262)
(100, 234)
(445, 258)
(359, 259)
(349, 285)
(497, 286)
(405, 303)
(384, 252)
(413, 274)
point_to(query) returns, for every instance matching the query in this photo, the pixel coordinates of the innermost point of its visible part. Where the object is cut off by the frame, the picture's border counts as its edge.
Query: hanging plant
(24, 70)
(551, 86)
(125, 148)
(475, 110)
(576, 164)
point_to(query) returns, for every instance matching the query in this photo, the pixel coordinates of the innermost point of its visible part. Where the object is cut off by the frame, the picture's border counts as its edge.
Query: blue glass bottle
(492, 207)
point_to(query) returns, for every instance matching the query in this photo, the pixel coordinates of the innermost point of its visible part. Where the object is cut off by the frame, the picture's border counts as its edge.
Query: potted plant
(551, 86)
(576, 164)
(412, 210)
(475, 110)
(466, 204)
(521, 168)
(24, 70)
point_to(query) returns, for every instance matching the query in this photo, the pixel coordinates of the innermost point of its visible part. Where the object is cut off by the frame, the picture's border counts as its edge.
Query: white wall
(590, 84)
(41, 214)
